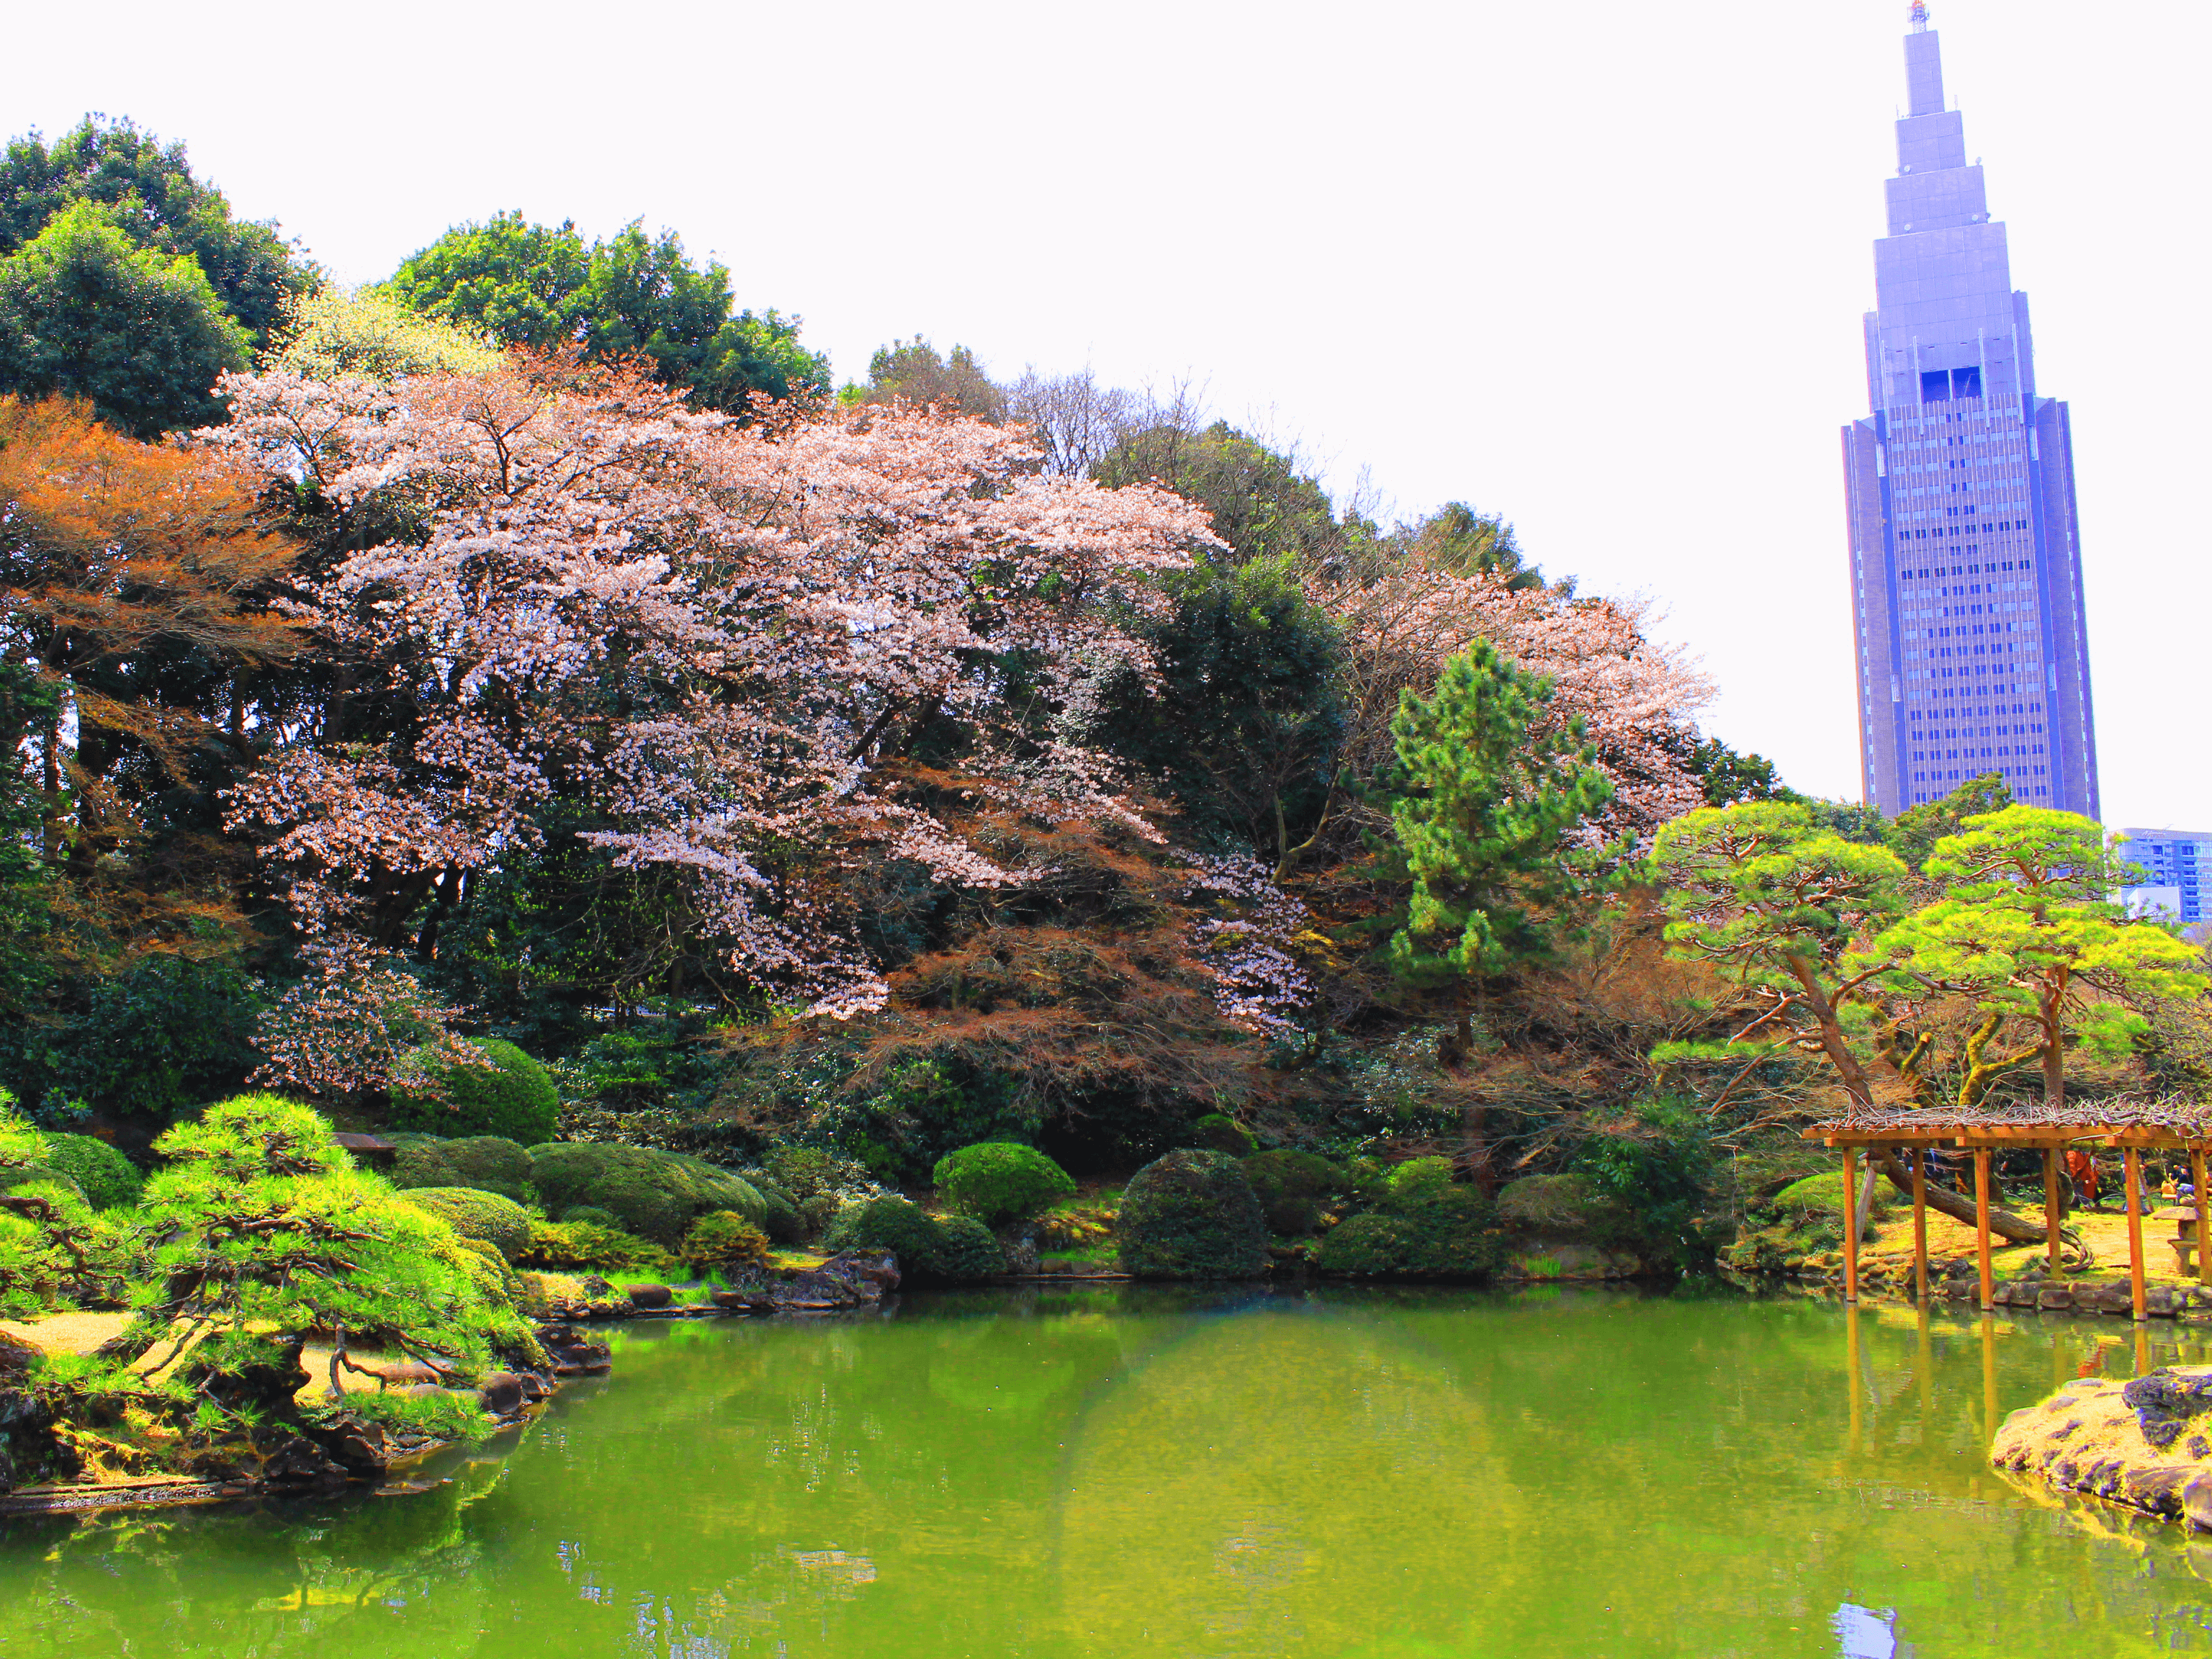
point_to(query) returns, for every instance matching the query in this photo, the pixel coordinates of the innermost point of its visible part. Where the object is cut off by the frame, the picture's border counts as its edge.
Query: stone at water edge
(2147, 1444)
(650, 1297)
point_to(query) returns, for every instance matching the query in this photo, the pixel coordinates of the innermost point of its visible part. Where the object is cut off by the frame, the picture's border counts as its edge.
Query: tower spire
(1919, 16)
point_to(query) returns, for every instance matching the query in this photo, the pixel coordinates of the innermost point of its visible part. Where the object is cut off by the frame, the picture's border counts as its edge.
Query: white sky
(1597, 266)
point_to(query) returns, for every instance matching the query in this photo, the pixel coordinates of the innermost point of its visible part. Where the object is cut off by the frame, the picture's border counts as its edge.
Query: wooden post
(1851, 1229)
(1920, 1222)
(2132, 1173)
(1988, 1376)
(1982, 1226)
(2051, 1173)
(2204, 1212)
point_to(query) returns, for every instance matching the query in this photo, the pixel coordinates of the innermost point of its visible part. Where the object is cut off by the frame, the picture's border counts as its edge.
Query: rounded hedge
(723, 1240)
(1428, 1231)
(1218, 1133)
(1290, 1188)
(959, 1248)
(653, 1194)
(1192, 1215)
(498, 1222)
(1001, 1180)
(108, 1180)
(966, 1249)
(590, 1215)
(513, 1098)
(1820, 1198)
(490, 1164)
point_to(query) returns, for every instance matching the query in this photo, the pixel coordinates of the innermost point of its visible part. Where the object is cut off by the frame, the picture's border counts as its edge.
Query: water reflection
(1339, 1474)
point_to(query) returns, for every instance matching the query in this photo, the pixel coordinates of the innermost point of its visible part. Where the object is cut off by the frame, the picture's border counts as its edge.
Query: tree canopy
(630, 294)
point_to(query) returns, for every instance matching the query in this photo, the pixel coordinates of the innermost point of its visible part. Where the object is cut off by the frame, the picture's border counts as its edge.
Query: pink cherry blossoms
(760, 654)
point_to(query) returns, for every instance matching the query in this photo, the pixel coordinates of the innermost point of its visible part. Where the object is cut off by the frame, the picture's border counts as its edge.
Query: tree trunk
(2003, 1223)
(1865, 1204)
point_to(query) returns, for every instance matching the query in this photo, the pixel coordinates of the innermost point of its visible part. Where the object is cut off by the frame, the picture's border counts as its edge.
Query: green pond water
(1125, 1472)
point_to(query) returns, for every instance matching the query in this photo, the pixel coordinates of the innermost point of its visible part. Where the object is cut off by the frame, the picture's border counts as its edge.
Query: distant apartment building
(1964, 546)
(2177, 865)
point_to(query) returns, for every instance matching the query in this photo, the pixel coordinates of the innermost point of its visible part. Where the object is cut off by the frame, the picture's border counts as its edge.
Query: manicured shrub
(108, 1180)
(591, 1215)
(490, 1164)
(484, 1264)
(1001, 1180)
(1418, 1176)
(654, 1194)
(1291, 1187)
(512, 1098)
(781, 1220)
(897, 1225)
(581, 1246)
(1427, 1230)
(818, 1184)
(724, 1241)
(1218, 1133)
(966, 1250)
(499, 1222)
(950, 1251)
(1820, 1198)
(1192, 1215)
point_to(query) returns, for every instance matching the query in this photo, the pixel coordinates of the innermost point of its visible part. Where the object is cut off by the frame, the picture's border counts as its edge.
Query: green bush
(959, 1248)
(489, 1268)
(1419, 1176)
(1820, 1198)
(512, 1098)
(581, 1245)
(108, 1180)
(591, 1215)
(490, 1164)
(782, 1219)
(966, 1250)
(1291, 1187)
(1657, 1172)
(1192, 1215)
(1217, 1132)
(1426, 1229)
(724, 1241)
(1001, 1180)
(1570, 1204)
(499, 1222)
(654, 1195)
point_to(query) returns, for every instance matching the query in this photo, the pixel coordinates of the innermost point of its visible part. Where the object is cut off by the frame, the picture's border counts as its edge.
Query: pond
(1415, 1474)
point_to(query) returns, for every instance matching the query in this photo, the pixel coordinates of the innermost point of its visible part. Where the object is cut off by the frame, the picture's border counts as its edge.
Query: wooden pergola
(2133, 1127)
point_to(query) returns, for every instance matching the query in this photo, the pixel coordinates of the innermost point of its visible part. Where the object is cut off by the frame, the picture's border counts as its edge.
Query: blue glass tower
(1965, 544)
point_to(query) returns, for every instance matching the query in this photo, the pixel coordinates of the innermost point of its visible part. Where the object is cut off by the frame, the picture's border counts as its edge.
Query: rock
(2106, 1299)
(2163, 1301)
(2197, 1502)
(18, 1359)
(405, 1372)
(877, 1267)
(2055, 1298)
(652, 1297)
(502, 1392)
(2001, 1295)
(573, 1353)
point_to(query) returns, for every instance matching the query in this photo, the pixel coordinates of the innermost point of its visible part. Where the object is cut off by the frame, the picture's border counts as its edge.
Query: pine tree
(1489, 794)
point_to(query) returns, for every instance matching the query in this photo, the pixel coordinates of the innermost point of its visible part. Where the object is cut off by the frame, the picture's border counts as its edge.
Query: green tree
(1486, 794)
(86, 312)
(1262, 505)
(1458, 538)
(149, 191)
(1778, 903)
(2025, 930)
(1242, 722)
(1912, 835)
(911, 371)
(631, 294)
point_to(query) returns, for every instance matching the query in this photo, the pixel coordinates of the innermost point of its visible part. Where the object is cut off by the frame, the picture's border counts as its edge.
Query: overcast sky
(1598, 267)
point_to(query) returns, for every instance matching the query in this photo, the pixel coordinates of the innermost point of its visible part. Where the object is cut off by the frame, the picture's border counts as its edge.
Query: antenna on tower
(1919, 16)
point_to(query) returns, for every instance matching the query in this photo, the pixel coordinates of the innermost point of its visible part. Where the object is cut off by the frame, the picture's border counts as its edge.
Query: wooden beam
(2051, 1173)
(2131, 1173)
(1920, 1225)
(1982, 1226)
(2203, 1214)
(1851, 1230)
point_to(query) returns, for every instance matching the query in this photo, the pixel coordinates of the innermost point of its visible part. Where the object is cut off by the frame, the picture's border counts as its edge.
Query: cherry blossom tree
(763, 654)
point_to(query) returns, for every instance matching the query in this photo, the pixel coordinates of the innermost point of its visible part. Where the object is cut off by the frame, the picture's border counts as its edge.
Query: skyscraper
(1964, 546)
